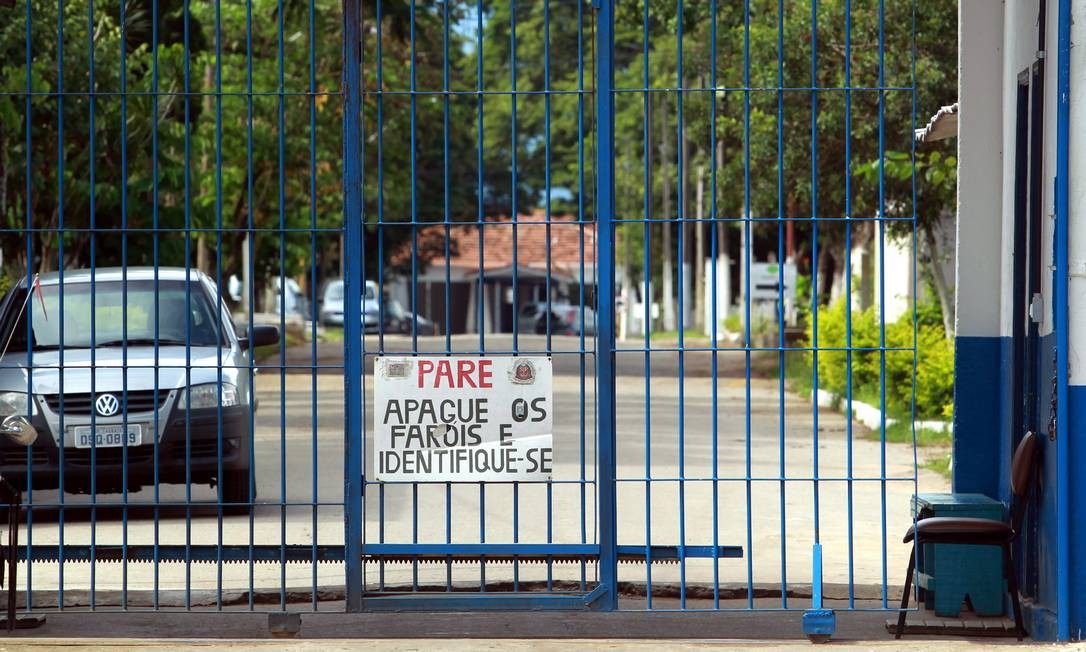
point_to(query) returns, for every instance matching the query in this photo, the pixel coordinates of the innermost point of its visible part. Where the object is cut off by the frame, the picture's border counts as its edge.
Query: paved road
(779, 522)
(664, 359)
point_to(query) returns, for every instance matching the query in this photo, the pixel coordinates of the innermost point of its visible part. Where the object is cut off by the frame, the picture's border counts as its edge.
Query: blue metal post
(818, 623)
(1060, 321)
(605, 339)
(352, 306)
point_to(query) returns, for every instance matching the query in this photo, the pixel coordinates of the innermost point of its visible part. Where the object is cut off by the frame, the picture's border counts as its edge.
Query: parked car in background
(331, 312)
(289, 299)
(565, 319)
(331, 309)
(398, 320)
(371, 309)
(172, 383)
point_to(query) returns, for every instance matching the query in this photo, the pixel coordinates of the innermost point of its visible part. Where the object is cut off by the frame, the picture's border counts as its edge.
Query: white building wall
(1077, 240)
(980, 88)
(1020, 50)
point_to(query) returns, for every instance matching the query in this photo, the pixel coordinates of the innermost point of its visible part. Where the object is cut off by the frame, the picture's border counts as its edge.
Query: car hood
(111, 369)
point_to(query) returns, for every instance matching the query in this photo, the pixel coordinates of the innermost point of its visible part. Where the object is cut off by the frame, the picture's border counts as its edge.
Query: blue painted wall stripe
(978, 464)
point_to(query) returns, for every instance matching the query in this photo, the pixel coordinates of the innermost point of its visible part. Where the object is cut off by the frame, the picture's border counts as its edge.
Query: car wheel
(235, 491)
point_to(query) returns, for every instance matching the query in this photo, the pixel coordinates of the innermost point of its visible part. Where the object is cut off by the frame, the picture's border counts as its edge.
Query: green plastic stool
(945, 574)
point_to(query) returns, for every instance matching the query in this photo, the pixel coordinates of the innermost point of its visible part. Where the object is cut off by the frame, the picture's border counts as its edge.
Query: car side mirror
(262, 336)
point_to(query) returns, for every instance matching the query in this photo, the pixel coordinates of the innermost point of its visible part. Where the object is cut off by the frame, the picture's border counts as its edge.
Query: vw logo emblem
(107, 405)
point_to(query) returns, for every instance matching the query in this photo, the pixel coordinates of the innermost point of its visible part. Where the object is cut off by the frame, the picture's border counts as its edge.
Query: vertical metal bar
(281, 97)
(218, 302)
(379, 92)
(124, 305)
(188, 302)
(29, 192)
(480, 214)
(912, 180)
(380, 215)
(414, 219)
(882, 287)
(547, 212)
(581, 298)
(282, 183)
(60, 237)
(746, 294)
(646, 299)
(414, 267)
(713, 254)
(814, 257)
(514, 211)
(352, 306)
(680, 153)
(605, 338)
(155, 255)
(848, 299)
(446, 196)
(251, 275)
(446, 211)
(514, 187)
(313, 306)
(93, 322)
(1060, 316)
(781, 216)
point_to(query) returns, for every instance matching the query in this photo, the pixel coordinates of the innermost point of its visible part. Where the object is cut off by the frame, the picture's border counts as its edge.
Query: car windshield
(109, 306)
(334, 291)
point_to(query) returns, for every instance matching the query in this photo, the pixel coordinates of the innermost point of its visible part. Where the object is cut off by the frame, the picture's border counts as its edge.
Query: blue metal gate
(462, 179)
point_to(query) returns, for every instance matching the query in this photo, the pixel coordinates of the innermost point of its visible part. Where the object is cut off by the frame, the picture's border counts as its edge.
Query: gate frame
(604, 596)
(354, 346)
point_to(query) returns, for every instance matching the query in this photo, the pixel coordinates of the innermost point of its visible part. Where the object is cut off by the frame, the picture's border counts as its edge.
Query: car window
(334, 291)
(183, 314)
(530, 310)
(371, 293)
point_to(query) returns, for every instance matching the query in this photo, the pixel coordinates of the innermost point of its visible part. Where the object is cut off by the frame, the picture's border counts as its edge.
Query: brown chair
(981, 531)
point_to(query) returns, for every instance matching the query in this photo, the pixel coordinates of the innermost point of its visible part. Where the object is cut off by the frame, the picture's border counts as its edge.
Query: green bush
(934, 359)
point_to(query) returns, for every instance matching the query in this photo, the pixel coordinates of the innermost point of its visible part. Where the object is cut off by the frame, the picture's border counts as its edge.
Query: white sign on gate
(463, 418)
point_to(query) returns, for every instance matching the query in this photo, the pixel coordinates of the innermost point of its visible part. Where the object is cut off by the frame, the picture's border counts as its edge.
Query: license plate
(107, 436)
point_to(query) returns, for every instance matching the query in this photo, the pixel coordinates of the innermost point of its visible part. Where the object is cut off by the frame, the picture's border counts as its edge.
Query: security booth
(1019, 286)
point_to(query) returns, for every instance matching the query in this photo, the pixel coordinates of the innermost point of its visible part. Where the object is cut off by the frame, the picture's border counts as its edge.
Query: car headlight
(15, 403)
(208, 396)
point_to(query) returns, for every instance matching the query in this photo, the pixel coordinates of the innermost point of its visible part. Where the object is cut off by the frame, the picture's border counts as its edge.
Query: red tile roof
(497, 244)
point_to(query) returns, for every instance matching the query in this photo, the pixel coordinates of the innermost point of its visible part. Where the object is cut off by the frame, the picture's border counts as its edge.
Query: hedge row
(934, 359)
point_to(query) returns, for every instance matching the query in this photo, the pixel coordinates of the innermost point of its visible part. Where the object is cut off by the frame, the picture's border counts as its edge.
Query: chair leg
(1012, 588)
(905, 595)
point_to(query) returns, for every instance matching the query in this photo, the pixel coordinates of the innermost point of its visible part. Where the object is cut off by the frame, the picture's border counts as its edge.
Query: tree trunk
(686, 271)
(667, 298)
(723, 249)
(935, 259)
(825, 278)
(646, 273)
(202, 262)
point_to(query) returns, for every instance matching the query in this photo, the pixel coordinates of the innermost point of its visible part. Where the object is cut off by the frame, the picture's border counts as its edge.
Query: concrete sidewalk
(503, 645)
(473, 631)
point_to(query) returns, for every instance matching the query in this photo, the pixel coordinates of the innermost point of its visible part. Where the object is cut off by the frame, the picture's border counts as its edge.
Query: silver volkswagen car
(133, 367)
